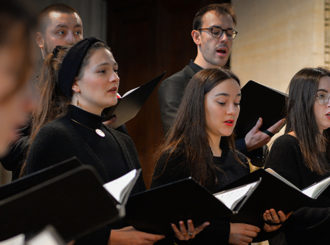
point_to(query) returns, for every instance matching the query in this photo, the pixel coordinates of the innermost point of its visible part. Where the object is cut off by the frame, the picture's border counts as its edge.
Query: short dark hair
(57, 7)
(219, 8)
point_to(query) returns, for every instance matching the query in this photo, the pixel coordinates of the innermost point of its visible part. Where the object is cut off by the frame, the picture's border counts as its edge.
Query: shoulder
(284, 154)
(285, 143)
(53, 143)
(56, 129)
(169, 168)
(178, 79)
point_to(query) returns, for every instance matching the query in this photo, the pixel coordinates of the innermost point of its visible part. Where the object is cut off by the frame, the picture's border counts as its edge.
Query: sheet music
(16, 240)
(116, 186)
(316, 189)
(231, 197)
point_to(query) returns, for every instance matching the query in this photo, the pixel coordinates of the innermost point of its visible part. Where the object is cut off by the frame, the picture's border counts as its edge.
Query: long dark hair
(301, 118)
(187, 137)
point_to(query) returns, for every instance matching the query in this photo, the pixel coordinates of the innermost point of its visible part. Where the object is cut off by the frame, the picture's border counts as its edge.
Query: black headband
(71, 64)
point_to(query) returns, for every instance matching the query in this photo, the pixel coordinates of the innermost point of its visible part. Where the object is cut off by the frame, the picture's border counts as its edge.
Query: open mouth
(113, 90)
(222, 51)
(229, 122)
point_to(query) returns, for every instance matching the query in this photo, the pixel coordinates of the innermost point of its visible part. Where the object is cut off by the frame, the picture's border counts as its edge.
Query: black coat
(74, 135)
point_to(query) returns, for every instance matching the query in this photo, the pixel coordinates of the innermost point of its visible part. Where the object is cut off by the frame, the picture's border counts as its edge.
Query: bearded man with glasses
(213, 33)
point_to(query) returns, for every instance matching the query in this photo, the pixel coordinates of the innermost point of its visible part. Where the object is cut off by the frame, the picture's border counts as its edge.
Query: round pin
(100, 132)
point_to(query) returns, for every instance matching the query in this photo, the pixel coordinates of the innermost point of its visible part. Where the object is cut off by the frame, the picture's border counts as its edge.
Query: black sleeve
(15, 158)
(49, 147)
(170, 94)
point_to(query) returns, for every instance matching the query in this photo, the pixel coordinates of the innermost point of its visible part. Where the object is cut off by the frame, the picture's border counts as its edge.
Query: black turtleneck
(74, 135)
(106, 148)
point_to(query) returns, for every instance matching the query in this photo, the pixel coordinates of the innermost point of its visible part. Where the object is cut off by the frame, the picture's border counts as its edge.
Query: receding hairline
(43, 16)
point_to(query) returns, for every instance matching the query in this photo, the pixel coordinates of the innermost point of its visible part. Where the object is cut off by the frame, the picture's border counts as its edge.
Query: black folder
(38, 177)
(153, 210)
(74, 202)
(272, 192)
(259, 101)
(130, 104)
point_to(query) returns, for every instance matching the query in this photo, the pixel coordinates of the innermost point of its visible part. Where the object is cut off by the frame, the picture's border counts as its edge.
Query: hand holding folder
(245, 201)
(259, 101)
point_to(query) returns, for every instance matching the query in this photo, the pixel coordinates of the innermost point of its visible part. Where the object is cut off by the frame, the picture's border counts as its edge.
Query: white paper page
(116, 186)
(230, 197)
(316, 189)
(130, 91)
(275, 174)
(16, 240)
(43, 238)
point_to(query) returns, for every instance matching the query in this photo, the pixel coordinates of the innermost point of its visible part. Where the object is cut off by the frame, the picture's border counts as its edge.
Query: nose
(114, 77)
(70, 39)
(224, 37)
(232, 109)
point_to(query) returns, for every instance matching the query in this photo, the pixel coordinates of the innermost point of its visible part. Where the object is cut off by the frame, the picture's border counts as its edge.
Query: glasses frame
(323, 101)
(209, 30)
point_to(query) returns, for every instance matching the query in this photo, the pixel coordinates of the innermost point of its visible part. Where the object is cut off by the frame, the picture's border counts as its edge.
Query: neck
(214, 143)
(88, 109)
(199, 60)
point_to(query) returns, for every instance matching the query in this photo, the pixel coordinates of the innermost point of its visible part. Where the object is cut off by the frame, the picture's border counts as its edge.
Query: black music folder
(38, 177)
(75, 202)
(259, 101)
(131, 102)
(276, 192)
(154, 210)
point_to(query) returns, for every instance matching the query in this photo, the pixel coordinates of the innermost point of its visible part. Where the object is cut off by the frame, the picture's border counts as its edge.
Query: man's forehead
(213, 17)
(64, 19)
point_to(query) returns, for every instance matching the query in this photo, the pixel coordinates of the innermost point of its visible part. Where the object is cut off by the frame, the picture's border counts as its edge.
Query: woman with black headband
(76, 85)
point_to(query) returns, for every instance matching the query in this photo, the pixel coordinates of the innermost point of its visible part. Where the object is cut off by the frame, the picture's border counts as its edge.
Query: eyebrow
(322, 90)
(225, 94)
(108, 63)
(66, 26)
(61, 25)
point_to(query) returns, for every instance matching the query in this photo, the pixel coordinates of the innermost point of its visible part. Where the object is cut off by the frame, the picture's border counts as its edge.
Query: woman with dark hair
(76, 85)
(16, 60)
(301, 155)
(200, 144)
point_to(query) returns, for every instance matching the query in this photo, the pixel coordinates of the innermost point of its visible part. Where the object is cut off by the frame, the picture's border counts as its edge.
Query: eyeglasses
(217, 32)
(323, 99)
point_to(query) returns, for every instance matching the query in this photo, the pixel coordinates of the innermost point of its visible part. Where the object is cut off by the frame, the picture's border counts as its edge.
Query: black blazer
(171, 91)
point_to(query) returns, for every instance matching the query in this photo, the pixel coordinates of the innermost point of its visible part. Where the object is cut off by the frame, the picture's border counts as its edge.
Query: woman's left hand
(183, 233)
(274, 220)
